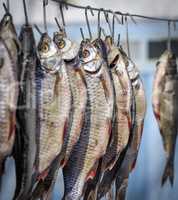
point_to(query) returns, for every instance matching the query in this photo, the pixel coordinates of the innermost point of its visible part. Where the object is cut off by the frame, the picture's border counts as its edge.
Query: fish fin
(122, 190)
(105, 87)
(168, 173)
(43, 175)
(12, 125)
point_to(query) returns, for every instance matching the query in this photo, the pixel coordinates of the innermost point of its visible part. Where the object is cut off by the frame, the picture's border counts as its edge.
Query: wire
(117, 12)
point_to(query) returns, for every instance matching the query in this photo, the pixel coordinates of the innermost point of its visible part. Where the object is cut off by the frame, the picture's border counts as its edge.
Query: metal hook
(82, 34)
(57, 22)
(113, 24)
(8, 5)
(118, 40)
(169, 36)
(87, 20)
(62, 16)
(99, 21)
(38, 30)
(25, 12)
(5, 8)
(132, 18)
(127, 36)
(45, 3)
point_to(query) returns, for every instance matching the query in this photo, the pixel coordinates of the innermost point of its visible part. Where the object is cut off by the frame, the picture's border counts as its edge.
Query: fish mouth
(93, 66)
(51, 65)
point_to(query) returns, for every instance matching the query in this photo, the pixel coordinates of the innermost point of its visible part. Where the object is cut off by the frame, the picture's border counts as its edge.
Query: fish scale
(94, 135)
(130, 159)
(165, 100)
(123, 95)
(52, 109)
(79, 96)
(8, 103)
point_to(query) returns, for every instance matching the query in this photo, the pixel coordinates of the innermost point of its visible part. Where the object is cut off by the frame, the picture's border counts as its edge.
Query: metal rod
(8, 5)
(5, 8)
(82, 34)
(57, 22)
(87, 20)
(127, 37)
(25, 12)
(169, 36)
(117, 12)
(38, 30)
(45, 2)
(118, 40)
(113, 24)
(62, 15)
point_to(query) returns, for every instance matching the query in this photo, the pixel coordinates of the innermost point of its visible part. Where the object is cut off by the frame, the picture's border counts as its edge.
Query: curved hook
(62, 16)
(113, 23)
(99, 21)
(25, 12)
(45, 3)
(87, 20)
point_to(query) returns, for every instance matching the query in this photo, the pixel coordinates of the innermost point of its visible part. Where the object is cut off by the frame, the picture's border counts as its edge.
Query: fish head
(90, 57)
(49, 55)
(7, 31)
(27, 39)
(109, 43)
(168, 62)
(6, 22)
(68, 49)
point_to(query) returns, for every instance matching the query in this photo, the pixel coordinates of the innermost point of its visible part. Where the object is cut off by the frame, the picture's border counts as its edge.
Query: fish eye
(45, 48)
(86, 53)
(61, 44)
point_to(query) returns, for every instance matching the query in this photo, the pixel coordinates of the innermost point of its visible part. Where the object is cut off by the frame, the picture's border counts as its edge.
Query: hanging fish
(139, 114)
(26, 136)
(70, 54)
(96, 131)
(9, 49)
(165, 106)
(123, 91)
(123, 118)
(53, 108)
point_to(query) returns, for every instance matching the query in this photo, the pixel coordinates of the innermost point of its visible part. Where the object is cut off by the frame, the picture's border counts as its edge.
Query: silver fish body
(165, 106)
(139, 114)
(123, 101)
(54, 102)
(69, 51)
(8, 86)
(95, 133)
(26, 134)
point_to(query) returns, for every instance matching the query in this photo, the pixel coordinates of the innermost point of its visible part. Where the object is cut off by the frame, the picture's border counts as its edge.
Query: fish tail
(168, 173)
(92, 195)
(122, 190)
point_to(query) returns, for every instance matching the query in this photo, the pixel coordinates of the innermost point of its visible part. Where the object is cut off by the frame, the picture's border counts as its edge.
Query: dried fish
(165, 106)
(96, 131)
(9, 49)
(25, 146)
(134, 144)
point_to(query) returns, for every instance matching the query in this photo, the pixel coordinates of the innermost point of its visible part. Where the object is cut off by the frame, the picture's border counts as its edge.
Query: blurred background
(147, 41)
